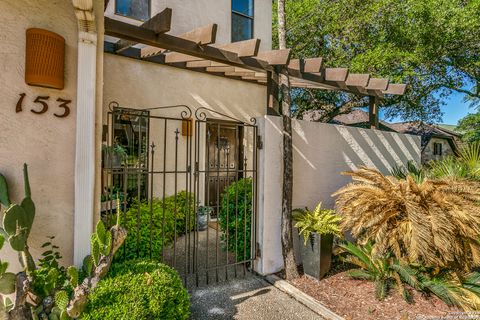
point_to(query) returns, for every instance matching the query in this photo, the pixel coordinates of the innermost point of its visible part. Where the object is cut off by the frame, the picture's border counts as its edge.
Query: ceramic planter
(317, 255)
(202, 217)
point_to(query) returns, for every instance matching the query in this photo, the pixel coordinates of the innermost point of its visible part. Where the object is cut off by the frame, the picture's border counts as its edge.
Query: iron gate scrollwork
(185, 185)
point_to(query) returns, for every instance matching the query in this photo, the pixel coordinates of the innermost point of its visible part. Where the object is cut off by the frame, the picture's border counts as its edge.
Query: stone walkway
(248, 298)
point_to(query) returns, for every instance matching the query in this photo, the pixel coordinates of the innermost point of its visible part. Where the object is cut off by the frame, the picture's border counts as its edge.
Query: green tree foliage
(235, 221)
(433, 45)
(139, 290)
(161, 226)
(469, 127)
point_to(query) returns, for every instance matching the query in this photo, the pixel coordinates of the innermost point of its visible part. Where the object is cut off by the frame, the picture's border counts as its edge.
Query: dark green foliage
(417, 172)
(50, 275)
(176, 210)
(139, 290)
(385, 271)
(238, 228)
(469, 127)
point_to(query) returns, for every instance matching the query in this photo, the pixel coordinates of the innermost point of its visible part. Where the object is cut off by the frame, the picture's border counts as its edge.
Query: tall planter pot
(317, 255)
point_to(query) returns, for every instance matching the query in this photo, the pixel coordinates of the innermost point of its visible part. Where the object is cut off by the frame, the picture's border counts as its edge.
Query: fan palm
(434, 223)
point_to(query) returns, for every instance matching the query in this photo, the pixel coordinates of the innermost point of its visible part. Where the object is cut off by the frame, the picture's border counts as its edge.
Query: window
(135, 9)
(437, 149)
(242, 20)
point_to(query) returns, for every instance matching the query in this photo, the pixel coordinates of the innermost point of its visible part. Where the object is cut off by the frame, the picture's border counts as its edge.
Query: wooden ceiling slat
(160, 23)
(221, 69)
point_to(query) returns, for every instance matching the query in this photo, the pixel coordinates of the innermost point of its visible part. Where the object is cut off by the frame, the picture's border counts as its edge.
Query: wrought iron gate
(185, 186)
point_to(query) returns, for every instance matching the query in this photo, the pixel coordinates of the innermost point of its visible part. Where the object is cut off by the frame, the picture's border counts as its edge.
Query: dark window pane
(243, 6)
(136, 9)
(242, 28)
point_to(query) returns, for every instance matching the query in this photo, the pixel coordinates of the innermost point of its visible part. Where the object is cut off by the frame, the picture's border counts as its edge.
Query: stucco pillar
(85, 145)
(85, 129)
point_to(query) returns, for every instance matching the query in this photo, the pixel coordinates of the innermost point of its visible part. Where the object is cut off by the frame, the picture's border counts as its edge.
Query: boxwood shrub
(139, 289)
(137, 244)
(238, 228)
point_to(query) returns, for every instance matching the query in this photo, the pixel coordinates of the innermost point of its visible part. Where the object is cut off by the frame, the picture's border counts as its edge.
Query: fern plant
(321, 221)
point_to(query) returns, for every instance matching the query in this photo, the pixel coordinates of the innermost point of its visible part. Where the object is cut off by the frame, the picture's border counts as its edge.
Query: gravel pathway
(248, 298)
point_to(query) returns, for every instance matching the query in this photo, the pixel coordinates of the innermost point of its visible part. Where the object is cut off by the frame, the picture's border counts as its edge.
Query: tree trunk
(287, 237)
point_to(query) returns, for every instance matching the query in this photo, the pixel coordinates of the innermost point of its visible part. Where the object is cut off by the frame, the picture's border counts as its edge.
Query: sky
(453, 110)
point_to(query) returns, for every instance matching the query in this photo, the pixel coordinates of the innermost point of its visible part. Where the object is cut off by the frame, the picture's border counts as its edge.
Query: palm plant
(435, 223)
(465, 166)
(383, 270)
(418, 173)
(321, 221)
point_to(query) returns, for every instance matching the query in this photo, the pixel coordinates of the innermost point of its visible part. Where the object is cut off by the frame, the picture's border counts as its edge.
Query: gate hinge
(258, 252)
(259, 142)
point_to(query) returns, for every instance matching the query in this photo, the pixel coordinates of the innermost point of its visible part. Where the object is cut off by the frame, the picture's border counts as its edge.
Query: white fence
(321, 153)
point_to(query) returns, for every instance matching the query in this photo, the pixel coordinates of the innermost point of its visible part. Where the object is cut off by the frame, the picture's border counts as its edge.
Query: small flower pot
(202, 217)
(317, 255)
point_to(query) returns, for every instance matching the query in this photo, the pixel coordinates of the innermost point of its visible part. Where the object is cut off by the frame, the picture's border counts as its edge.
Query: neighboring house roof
(427, 131)
(358, 118)
(449, 127)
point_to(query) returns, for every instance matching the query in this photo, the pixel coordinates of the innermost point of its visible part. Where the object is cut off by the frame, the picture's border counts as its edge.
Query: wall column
(85, 145)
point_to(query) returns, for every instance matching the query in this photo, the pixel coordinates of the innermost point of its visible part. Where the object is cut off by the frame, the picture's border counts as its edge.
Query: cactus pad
(7, 283)
(4, 198)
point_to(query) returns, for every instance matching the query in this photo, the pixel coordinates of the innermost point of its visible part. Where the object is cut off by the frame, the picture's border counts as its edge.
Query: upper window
(135, 9)
(242, 20)
(437, 149)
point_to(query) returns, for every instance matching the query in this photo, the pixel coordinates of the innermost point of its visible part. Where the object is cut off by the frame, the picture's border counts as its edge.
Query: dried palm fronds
(434, 223)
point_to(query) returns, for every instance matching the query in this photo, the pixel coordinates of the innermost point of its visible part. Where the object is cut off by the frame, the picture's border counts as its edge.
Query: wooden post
(273, 104)
(373, 112)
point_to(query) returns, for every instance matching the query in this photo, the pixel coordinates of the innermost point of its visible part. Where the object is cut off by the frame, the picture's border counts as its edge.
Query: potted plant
(202, 217)
(317, 228)
(114, 155)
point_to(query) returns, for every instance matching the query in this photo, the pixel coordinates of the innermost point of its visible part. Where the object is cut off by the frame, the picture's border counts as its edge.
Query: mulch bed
(355, 299)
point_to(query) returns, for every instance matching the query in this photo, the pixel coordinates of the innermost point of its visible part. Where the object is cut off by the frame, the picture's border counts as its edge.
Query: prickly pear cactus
(18, 219)
(7, 279)
(101, 243)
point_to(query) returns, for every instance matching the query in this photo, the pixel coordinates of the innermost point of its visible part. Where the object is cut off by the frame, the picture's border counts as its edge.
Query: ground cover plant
(428, 225)
(174, 216)
(237, 204)
(139, 289)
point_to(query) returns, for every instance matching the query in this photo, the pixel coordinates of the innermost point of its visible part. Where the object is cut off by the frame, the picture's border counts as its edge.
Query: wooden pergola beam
(247, 48)
(396, 89)
(377, 84)
(130, 32)
(160, 23)
(202, 36)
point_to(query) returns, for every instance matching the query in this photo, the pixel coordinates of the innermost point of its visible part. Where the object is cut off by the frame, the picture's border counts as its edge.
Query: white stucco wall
(190, 14)
(321, 153)
(44, 142)
(141, 84)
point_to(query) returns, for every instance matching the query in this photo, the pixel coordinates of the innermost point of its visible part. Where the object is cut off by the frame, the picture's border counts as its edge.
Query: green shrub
(139, 290)
(238, 229)
(160, 237)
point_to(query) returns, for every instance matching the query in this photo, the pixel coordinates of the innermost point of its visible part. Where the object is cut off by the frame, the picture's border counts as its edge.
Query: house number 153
(42, 105)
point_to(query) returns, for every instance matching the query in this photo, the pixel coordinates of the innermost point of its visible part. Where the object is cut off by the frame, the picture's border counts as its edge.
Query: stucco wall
(141, 84)
(427, 152)
(43, 141)
(190, 14)
(321, 153)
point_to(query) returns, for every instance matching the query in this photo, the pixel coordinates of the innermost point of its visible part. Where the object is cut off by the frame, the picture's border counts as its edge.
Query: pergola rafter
(196, 50)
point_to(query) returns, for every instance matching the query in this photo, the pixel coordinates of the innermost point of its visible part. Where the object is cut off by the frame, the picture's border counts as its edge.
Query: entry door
(223, 154)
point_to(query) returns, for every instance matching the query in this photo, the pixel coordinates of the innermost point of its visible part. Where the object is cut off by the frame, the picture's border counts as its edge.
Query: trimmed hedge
(239, 231)
(139, 290)
(142, 235)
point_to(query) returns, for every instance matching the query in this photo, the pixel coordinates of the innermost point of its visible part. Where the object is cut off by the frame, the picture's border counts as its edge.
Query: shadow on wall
(323, 151)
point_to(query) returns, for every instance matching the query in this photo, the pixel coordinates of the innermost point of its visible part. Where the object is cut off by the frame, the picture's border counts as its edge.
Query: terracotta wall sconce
(45, 59)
